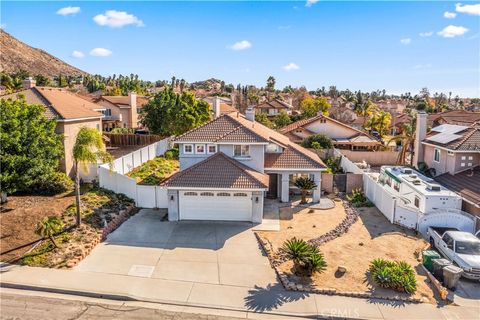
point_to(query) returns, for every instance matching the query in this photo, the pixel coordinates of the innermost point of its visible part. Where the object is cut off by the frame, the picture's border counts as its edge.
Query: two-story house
(228, 166)
(452, 153)
(343, 136)
(274, 107)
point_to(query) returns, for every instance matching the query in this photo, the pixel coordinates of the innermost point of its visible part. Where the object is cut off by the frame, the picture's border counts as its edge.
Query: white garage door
(215, 205)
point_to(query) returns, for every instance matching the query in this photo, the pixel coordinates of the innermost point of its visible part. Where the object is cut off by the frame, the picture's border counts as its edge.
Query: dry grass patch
(372, 236)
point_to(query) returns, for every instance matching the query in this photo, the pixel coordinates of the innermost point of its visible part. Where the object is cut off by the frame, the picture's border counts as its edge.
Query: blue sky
(399, 46)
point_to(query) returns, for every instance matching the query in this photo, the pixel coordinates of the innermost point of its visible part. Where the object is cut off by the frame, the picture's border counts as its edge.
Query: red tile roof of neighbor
(59, 103)
(234, 127)
(218, 171)
(466, 183)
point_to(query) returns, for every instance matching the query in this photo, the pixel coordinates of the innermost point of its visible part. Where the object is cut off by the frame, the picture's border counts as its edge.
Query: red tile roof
(218, 171)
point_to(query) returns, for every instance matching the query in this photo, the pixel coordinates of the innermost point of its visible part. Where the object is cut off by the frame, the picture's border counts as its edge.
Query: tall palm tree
(89, 148)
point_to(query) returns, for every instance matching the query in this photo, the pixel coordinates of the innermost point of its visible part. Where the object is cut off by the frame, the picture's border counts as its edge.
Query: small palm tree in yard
(89, 148)
(48, 227)
(305, 184)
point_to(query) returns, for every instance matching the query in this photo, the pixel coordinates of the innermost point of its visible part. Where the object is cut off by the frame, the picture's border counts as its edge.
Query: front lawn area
(370, 237)
(154, 171)
(98, 207)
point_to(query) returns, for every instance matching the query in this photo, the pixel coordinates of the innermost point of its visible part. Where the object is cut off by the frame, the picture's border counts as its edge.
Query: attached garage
(215, 205)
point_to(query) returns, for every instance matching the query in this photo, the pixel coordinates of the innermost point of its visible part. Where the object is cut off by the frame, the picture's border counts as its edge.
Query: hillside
(16, 55)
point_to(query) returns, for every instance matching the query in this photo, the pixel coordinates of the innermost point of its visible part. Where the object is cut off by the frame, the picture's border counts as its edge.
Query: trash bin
(428, 256)
(451, 276)
(438, 265)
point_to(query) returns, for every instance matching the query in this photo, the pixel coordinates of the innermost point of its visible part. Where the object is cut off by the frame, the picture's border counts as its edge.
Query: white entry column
(317, 178)
(285, 188)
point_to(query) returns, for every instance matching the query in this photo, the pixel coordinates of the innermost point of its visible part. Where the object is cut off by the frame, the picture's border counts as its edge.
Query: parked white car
(462, 248)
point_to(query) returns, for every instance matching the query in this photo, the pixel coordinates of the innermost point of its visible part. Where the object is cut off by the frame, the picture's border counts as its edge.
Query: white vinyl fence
(346, 164)
(113, 177)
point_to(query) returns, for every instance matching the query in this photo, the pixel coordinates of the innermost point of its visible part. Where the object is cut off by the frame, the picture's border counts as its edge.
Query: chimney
(216, 107)
(132, 102)
(29, 83)
(250, 114)
(420, 134)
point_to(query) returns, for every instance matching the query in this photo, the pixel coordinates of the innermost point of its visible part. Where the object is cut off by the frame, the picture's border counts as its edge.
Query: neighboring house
(273, 108)
(343, 136)
(452, 152)
(121, 111)
(219, 106)
(70, 111)
(458, 117)
(228, 166)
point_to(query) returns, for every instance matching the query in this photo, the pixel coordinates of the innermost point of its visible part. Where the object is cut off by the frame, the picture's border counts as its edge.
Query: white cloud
(241, 45)
(406, 41)
(310, 3)
(78, 54)
(68, 11)
(449, 15)
(100, 52)
(291, 67)
(117, 19)
(452, 31)
(426, 34)
(468, 8)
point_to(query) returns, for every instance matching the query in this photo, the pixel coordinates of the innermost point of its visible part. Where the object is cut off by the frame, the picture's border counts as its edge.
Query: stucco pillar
(285, 189)
(317, 178)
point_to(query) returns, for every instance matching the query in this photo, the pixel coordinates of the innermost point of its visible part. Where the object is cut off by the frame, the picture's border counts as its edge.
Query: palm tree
(48, 227)
(305, 184)
(89, 148)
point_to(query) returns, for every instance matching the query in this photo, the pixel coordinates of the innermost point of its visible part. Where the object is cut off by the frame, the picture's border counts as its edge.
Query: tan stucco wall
(69, 131)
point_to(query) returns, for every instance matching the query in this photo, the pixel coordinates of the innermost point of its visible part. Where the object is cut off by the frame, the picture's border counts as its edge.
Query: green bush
(59, 182)
(306, 258)
(172, 154)
(322, 142)
(396, 275)
(357, 197)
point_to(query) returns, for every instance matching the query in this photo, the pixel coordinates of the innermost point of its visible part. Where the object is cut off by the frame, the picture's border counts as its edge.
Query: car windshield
(464, 247)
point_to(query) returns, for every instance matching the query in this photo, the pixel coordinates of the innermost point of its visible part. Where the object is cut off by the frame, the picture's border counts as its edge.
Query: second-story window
(241, 151)
(436, 155)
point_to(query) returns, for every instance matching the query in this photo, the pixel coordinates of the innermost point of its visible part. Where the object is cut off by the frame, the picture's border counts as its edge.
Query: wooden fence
(125, 139)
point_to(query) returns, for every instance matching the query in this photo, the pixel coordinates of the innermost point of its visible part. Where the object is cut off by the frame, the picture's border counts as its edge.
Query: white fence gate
(113, 177)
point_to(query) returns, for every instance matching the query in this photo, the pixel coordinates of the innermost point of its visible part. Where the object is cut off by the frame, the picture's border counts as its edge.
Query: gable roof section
(468, 139)
(59, 103)
(219, 172)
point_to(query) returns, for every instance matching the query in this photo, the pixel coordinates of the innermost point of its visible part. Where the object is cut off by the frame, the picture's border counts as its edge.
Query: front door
(272, 186)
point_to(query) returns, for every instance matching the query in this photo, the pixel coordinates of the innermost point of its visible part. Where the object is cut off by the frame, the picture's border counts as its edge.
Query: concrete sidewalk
(270, 301)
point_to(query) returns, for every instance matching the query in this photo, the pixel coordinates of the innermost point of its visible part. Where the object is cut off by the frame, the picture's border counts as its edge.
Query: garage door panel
(195, 206)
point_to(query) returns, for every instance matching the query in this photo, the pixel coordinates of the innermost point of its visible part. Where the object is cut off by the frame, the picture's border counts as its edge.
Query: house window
(200, 148)
(188, 148)
(436, 155)
(416, 202)
(212, 149)
(241, 151)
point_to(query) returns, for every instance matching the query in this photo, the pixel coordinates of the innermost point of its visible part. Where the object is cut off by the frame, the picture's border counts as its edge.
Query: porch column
(285, 188)
(317, 178)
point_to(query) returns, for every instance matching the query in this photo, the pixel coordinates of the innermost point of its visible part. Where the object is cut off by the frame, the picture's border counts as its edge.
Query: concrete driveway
(225, 253)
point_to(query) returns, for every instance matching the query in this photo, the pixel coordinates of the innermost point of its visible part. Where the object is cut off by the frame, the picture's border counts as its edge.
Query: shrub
(396, 275)
(58, 182)
(357, 197)
(323, 141)
(307, 259)
(172, 154)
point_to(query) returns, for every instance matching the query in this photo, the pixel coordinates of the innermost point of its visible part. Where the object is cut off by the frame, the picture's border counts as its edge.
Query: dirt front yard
(370, 237)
